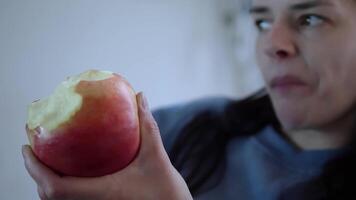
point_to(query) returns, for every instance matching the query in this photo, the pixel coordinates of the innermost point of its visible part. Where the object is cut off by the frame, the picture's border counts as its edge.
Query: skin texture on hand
(150, 176)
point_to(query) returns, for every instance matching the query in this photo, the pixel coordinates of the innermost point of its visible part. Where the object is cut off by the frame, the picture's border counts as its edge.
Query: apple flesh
(88, 127)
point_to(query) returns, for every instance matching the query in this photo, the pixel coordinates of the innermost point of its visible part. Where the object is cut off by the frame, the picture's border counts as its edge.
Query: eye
(263, 25)
(311, 20)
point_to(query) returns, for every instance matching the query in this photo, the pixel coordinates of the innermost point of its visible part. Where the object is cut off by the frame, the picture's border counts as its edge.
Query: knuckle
(152, 125)
(54, 191)
(160, 157)
(41, 193)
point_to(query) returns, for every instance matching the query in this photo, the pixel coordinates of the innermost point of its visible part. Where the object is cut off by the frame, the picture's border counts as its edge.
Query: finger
(51, 185)
(150, 135)
(41, 193)
(39, 172)
(88, 188)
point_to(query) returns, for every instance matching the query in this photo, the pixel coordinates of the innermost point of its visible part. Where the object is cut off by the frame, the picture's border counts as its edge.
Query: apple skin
(102, 137)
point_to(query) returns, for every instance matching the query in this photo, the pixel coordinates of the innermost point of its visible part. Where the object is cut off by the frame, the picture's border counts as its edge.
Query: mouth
(287, 83)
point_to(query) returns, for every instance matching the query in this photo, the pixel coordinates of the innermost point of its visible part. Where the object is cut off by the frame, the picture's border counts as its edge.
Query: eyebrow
(294, 7)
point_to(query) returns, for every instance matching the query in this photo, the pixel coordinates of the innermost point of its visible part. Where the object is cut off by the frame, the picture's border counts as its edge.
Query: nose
(280, 42)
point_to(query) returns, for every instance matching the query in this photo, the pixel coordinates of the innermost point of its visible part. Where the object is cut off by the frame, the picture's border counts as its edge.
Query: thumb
(151, 141)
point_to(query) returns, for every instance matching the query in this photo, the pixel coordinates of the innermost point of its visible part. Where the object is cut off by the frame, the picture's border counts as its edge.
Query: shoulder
(169, 116)
(171, 119)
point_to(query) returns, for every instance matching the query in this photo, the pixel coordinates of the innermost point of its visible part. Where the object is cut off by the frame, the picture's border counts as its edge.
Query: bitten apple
(88, 127)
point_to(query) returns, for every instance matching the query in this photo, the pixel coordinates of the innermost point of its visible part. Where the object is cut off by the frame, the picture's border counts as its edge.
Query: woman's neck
(333, 136)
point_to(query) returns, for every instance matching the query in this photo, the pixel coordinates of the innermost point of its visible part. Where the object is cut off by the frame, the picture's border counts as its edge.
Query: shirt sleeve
(172, 119)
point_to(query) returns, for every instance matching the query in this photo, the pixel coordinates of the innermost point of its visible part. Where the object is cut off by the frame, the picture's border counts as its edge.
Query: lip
(287, 82)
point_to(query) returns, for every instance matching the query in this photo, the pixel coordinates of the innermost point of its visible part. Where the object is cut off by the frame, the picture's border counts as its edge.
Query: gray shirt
(260, 167)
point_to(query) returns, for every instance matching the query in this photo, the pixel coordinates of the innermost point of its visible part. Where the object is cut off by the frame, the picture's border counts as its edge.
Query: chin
(291, 121)
(297, 123)
(292, 127)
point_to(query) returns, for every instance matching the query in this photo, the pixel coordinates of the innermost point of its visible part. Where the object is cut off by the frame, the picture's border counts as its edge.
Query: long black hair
(199, 151)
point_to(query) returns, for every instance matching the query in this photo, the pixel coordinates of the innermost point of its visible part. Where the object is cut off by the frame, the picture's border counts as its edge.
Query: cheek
(338, 83)
(334, 71)
(334, 94)
(332, 58)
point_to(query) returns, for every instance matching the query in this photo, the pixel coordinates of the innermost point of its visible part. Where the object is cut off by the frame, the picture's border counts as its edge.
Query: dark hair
(202, 142)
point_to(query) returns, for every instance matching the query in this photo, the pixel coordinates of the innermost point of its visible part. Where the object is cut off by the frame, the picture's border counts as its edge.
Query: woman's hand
(150, 176)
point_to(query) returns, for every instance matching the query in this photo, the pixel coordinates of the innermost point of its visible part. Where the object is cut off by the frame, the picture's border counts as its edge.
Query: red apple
(88, 127)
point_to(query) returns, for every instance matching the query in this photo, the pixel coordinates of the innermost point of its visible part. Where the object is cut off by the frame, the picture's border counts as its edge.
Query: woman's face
(306, 50)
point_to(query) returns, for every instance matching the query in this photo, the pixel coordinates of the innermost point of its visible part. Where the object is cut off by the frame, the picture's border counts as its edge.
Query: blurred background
(172, 50)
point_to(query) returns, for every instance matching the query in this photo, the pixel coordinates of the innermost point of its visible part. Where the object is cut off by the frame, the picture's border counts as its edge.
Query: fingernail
(23, 148)
(144, 101)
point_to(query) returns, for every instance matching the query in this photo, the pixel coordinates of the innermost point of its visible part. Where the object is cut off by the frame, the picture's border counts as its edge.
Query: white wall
(173, 50)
